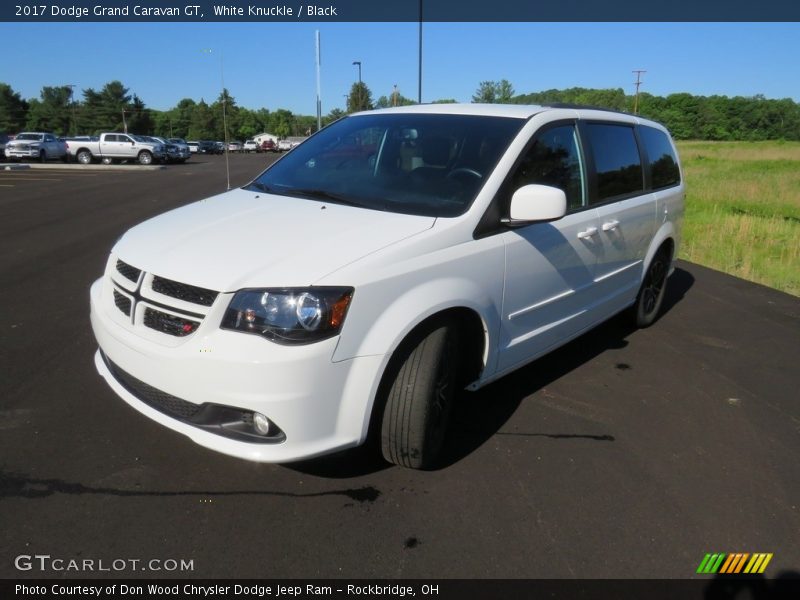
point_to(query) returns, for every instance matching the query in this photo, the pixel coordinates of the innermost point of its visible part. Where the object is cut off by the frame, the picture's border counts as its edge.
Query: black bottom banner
(714, 588)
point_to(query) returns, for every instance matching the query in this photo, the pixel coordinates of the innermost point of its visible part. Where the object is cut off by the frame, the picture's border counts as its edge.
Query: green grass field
(743, 210)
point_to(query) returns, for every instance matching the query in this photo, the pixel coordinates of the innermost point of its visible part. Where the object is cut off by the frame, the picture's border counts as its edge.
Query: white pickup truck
(36, 146)
(114, 147)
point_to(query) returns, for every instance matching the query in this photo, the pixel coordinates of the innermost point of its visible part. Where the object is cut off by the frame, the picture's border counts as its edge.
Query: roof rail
(586, 107)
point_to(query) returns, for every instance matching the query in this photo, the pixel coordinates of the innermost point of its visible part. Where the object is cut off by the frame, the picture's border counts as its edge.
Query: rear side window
(664, 169)
(616, 160)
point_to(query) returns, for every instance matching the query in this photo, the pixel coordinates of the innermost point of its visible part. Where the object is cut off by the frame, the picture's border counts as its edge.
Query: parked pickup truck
(36, 146)
(113, 147)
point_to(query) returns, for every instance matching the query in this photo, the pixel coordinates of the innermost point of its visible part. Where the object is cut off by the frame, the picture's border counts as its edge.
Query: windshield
(422, 164)
(30, 136)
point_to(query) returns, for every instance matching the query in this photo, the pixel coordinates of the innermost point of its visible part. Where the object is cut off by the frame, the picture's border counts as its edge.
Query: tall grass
(743, 210)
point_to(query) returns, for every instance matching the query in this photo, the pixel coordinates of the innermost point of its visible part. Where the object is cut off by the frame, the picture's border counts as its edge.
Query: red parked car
(268, 146)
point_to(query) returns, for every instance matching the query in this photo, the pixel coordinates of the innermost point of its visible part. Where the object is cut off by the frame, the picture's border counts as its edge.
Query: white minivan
(394, 258)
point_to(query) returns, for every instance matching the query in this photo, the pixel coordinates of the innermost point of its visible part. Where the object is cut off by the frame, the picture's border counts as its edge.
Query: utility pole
(638, 83)
(71, 87)
(124, 122)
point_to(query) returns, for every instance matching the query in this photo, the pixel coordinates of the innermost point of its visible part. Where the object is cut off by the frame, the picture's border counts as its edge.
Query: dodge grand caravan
(394, 258)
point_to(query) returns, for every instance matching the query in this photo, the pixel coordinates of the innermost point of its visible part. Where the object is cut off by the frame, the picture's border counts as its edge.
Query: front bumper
(16, 153)
(321, 406)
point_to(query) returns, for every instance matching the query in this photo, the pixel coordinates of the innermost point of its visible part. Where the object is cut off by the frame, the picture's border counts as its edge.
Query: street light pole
(319, 93)
(358, 62)
(419, 86)
(224, 118)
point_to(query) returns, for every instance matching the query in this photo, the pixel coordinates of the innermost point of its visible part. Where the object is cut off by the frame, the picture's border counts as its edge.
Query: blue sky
(272, 65)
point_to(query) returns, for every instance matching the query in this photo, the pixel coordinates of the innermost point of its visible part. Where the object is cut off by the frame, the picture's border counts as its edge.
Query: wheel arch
(473, 352)
(665, 236)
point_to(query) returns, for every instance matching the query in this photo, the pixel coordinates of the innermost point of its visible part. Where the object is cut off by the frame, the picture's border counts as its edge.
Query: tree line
(116, 108)
(690, 117)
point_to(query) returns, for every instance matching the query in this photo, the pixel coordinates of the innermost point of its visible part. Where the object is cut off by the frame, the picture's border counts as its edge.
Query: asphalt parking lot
(624, 454)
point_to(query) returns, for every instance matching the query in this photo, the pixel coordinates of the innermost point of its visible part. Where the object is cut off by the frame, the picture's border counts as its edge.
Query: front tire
(42, 156)
(651, 294)
(419, 402)
(145, 158)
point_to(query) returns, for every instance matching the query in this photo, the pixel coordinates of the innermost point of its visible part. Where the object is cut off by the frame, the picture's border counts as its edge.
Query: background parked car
(269, 146)
(207, 147)
(194, 147)
(37, 146)
(251, 146)
(115, 147)
(234, 146)
(181, 143)
(174, 152)
(4, 138)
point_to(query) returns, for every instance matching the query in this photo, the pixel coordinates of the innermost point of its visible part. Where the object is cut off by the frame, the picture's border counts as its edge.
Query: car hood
(246, 239)
(14, 143)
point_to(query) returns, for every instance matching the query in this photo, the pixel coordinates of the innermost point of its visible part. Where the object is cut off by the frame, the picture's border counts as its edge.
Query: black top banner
(398, 10)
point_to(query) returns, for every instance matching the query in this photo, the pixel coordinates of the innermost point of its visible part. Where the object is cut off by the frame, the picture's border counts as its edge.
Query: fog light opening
(261, 424)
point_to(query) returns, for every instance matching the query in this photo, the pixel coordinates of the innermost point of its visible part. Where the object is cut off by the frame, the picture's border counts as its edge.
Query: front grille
(127, 271)
(155, 398)
(123, 303)
(169, 324)
(183, 291)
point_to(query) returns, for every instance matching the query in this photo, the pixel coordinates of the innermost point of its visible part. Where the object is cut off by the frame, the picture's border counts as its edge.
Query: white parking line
(6, 177)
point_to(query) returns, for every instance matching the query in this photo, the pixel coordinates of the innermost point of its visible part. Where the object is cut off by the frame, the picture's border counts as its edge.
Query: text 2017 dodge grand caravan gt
(390, 260)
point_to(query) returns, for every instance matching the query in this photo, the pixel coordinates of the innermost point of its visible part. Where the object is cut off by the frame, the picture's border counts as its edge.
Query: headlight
(289, 315)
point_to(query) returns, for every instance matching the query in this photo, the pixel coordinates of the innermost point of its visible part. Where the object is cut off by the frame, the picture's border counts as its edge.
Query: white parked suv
(394, 258)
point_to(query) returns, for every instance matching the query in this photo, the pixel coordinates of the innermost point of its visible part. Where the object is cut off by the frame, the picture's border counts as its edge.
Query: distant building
(263, 137)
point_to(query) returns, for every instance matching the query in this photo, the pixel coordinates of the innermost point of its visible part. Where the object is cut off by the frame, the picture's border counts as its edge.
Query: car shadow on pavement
(481, 415)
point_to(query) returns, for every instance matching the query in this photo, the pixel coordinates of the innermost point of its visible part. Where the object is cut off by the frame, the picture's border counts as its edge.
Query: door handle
(610, 225)
(585, 235)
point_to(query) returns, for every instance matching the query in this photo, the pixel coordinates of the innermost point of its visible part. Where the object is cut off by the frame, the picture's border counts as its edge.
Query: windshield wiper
(259, 186)
(318, 194)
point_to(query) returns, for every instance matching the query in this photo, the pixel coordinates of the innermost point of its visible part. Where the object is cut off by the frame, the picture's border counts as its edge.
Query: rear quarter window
(664, 170)
(616, 160)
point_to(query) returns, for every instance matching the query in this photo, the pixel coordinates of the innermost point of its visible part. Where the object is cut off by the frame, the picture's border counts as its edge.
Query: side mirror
(536, 203)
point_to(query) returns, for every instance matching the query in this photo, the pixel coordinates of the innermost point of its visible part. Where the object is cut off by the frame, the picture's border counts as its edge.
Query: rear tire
(84, 157)
(651, 294)
(419, 402)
